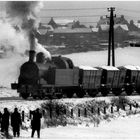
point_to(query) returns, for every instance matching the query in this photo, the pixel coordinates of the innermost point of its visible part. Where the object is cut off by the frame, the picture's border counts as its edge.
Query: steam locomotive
(58, 77)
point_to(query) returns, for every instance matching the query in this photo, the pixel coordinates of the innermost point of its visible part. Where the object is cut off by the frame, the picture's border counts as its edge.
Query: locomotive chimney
(32, 47)
(31, 55)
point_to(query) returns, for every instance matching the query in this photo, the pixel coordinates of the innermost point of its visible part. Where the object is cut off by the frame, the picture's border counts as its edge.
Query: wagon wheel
(92, 93)
(138, 90)
(80, 93)
(68, 93)
(59, 95)
(117, 92)
(104, 91)
(129, 90)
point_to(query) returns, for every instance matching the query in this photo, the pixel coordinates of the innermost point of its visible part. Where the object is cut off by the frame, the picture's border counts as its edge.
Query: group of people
(16, 122)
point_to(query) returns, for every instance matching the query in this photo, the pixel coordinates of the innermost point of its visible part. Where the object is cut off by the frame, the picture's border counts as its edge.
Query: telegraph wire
(71, 16)
(74, 9)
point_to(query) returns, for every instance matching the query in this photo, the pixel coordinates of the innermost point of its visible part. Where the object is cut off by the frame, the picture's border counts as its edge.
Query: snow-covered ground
(118, 128)
(121, 129)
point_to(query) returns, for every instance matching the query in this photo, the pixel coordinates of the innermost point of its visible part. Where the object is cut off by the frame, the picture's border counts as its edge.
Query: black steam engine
(57, 77)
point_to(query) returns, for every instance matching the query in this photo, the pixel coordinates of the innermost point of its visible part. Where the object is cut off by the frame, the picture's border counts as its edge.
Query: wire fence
(84, 112)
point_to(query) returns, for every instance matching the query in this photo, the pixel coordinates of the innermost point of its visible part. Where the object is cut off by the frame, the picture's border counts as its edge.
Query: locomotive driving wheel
(92, 93)
(80, 93)
(117, 92)
(69, 93)
(24, 95)
(104, 91)
(59, 95)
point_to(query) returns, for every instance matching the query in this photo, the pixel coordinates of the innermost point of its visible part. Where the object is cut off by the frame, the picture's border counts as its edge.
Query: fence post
(65, 111)
(71, 112)
(98, 111)
(104, 110)
(22, 116)
(78, 112)
(130, 107)
(43, 113)
(123, 107)
(57, 111)
(85, 112)
(30, 114)
(118, 108)
(92, 110)
(50, 112)
(111, 109)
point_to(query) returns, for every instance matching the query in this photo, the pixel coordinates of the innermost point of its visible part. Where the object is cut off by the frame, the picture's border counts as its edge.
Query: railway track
(13, 98)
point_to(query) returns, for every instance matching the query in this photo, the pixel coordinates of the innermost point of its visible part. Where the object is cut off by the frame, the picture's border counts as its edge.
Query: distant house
(74, 36)
(43, 33)
(120, 32)
(117, 20)
(55, 23)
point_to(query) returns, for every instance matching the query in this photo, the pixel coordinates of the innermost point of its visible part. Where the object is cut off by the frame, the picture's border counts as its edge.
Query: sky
(130, 9)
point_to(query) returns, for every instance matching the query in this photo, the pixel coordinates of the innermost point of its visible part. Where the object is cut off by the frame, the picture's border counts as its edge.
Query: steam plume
(24, 15)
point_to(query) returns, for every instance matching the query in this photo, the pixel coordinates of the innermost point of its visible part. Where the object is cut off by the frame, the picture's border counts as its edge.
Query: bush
(121, 101)
(56, 112)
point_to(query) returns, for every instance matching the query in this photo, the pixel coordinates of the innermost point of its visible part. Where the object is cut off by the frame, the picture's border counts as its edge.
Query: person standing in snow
(5, 121)
(16, 122)
(36, 122)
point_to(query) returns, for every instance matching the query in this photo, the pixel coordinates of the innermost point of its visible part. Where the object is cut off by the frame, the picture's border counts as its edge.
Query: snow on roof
(94, 29)
(123, 26)
(137, 24)
(104, 27)
(44, 28)
(63, 21)
(109, 68)
(87, 68)
(75, 30)
(130, 67)
(137, 67)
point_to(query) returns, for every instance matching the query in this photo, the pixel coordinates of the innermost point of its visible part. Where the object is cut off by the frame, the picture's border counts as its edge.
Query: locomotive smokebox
(32, 47)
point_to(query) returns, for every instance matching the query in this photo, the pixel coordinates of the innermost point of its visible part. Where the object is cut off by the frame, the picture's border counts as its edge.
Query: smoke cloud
(23, 15)
(11, 40)
(24, 12)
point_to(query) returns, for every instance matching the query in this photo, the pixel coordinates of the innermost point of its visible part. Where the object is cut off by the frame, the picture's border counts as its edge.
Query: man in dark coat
(36, 122)
(16, 122)
(5, 121)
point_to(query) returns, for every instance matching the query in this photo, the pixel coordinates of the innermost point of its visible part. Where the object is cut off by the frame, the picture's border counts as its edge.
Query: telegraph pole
(111, 37)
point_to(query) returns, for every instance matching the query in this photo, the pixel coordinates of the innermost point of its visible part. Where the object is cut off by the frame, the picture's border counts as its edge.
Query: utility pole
(111, 37)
